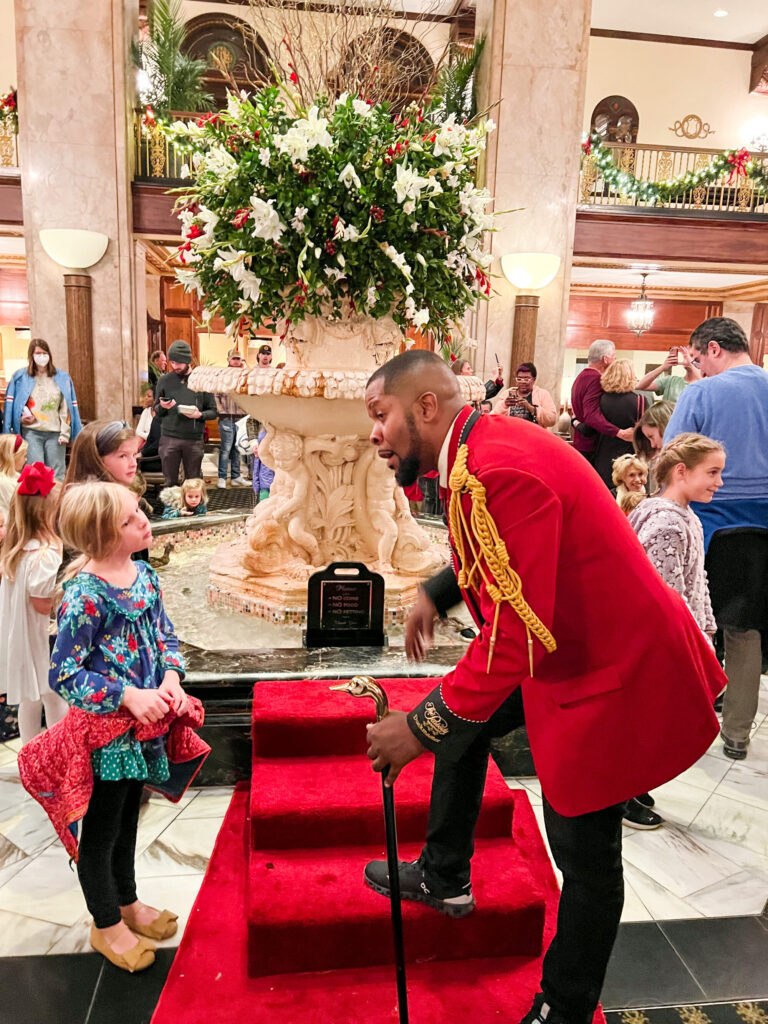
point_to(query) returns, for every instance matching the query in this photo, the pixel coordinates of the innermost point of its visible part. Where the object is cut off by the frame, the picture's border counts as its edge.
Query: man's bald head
(412, 373)
(413, 400)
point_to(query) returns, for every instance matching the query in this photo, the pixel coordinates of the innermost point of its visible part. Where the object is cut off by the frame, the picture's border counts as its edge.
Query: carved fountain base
(332, 499)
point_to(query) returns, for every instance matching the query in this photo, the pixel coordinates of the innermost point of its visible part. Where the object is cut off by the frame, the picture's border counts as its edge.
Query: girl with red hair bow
(30, 560)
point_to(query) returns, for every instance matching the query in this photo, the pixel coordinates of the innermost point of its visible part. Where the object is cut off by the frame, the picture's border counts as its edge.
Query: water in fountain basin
(185, 581)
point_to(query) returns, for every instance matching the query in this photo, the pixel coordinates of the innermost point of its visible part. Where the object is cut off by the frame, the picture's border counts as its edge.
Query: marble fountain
(332, 498)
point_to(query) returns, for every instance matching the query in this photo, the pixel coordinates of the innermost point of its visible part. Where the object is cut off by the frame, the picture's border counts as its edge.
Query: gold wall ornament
(7, 144)
(589, 176)
(157, 155)
(692, 127)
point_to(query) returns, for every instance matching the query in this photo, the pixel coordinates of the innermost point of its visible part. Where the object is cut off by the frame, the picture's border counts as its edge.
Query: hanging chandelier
(640, 316)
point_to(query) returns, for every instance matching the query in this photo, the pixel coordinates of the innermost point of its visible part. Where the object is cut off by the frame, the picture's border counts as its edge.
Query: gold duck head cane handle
(366, 686)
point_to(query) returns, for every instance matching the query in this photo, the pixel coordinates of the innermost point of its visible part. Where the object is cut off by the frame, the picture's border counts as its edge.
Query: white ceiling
(659, 278)
(747, 20)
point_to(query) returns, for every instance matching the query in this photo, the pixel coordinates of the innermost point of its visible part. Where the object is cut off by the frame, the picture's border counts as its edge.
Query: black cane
(365, 686)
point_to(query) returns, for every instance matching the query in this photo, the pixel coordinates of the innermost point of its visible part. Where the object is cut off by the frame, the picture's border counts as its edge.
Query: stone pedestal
(534, 68)
(75, 94)
(332, 498)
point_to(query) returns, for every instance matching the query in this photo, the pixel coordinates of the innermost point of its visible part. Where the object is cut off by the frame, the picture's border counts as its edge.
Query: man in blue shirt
(730, 404)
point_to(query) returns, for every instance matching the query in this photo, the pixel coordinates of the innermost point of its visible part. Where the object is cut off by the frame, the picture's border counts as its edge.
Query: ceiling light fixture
(640, 316)
(720, 13)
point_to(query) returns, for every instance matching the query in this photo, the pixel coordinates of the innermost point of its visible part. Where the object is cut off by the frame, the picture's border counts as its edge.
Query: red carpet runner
(283, 929)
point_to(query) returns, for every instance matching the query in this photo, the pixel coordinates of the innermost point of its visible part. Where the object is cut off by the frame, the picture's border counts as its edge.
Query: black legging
(108, 849)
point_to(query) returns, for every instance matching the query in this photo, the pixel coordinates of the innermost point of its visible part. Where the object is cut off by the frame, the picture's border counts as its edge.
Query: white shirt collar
(442, 459)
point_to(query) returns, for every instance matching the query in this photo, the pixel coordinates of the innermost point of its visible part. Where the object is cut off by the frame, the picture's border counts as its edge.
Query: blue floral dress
(109, 638)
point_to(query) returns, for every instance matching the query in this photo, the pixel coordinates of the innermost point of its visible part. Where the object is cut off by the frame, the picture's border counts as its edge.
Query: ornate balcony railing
(662, 163)
(9, 149)
(156, 159)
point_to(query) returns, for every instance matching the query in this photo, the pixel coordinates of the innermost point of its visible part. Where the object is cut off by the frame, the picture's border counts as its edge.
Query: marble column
(533, 76)
(75, 83)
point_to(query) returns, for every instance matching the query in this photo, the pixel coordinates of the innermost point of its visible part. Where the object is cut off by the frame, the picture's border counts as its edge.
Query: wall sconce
(77, 250)
(74, 249)
(529, 272)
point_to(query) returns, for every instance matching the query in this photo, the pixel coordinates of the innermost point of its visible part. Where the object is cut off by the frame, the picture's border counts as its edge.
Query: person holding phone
(667, 384)
(524, 400)
(182, 413)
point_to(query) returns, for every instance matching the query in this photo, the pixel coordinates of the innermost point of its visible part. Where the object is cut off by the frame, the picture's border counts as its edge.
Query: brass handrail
(156, 158)
(657, 163)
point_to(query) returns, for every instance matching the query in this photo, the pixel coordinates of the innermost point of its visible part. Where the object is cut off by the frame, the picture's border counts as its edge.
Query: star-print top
(109, 638)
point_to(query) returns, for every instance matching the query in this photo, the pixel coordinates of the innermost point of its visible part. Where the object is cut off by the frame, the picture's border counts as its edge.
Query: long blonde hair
(90, 518)
(687, 450)
(31, 517)
(8, 453)
(619, 378)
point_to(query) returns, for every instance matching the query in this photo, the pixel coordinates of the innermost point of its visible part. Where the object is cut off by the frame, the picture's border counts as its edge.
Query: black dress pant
(586, 849)
(105, 866)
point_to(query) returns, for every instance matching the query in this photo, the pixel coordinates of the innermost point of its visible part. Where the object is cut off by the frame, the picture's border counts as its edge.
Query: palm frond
(174, 79)
(455, 92)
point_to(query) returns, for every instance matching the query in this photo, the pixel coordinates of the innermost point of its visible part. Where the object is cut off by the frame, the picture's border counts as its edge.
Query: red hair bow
(17, 443)
(36, 479)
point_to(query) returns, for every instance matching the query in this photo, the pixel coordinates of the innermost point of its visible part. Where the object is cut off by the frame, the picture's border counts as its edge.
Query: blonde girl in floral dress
(116, 648)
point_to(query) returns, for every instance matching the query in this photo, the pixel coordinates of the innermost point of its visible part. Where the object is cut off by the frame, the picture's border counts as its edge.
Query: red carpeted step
(336, 801)
(208, 979)
(297, 718)
(309, 910)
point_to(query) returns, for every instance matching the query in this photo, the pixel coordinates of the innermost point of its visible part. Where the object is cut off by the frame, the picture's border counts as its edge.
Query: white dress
(24, 651)
(7, 487)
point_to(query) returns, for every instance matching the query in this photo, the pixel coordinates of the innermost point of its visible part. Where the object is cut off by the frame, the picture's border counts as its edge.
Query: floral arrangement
(295, 212)
(735, 163)
(9, 109)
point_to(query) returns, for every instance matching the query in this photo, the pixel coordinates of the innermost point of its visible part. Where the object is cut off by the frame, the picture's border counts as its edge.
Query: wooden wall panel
(14, 298)
(640, 236)
(179, 315)
(758, 341)
(11, 211)
(592, 317)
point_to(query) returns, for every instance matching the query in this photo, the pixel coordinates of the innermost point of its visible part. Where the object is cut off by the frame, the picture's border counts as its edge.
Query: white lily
(349, 177)
(266, 220)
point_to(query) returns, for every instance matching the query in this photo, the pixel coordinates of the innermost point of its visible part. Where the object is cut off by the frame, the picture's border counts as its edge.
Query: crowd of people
(687, 474)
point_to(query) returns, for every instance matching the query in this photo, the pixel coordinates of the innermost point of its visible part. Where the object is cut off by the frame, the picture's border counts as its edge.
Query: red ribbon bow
(36, 479)
(738, 161)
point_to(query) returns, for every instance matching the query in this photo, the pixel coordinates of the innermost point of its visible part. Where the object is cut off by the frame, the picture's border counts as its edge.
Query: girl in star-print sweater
(116, 648)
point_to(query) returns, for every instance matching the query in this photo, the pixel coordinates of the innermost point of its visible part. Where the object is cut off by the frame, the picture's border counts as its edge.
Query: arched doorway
(385, 66)
(231, 49)
(615, 119)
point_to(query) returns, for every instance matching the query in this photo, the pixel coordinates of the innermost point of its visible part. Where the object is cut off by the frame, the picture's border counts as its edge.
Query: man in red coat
(575, 624)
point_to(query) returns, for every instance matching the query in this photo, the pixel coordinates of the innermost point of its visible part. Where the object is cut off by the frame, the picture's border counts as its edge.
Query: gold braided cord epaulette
(480, 539)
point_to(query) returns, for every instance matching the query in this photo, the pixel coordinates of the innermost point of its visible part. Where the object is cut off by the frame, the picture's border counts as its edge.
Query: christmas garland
(736, 161)
(9, 111)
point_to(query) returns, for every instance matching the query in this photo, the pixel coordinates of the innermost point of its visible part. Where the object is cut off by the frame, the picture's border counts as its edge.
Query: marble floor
(709, 860)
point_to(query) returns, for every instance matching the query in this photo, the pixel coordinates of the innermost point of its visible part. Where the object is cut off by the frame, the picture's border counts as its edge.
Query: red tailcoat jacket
(625, 702)
(55, 766)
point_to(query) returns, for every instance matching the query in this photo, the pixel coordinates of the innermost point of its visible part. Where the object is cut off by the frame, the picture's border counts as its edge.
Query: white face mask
(41, 360)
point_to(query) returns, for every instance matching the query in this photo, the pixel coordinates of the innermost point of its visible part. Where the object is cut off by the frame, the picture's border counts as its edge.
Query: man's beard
(407, 473)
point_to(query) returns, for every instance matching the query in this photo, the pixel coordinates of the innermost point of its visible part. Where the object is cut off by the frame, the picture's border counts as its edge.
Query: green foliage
(735, 163)
(456, 92)
(174, 79)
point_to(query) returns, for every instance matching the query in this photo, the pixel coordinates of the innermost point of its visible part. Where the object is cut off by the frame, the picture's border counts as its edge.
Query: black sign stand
(345, 607)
